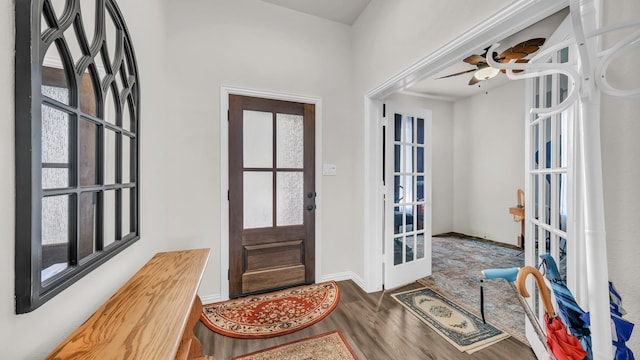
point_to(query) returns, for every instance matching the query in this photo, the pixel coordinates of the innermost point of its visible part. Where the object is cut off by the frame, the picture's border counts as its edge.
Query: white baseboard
(210, 299)
(347, 275)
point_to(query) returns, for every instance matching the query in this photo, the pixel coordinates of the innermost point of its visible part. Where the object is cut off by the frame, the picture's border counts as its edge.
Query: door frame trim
(225, 91)
(508, 20)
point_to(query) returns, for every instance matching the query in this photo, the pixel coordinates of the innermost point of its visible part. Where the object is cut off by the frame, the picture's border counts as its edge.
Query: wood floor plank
(376, 326)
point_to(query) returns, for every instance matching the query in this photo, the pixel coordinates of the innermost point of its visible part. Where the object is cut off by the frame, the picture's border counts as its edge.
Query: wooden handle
(542, 288)
(520, 197)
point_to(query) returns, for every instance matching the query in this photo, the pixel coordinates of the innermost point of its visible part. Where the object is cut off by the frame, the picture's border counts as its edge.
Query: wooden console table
(151, 317)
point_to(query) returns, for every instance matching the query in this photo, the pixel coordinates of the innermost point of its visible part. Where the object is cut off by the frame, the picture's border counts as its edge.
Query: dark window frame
(120, 78)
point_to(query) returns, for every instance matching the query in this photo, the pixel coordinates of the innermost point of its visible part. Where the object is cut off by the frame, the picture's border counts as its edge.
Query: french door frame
(225, 91)
(547, 152)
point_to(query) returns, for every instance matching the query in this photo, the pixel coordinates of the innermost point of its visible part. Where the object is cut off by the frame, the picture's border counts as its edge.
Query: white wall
(34, 335)
(442, 147)
(620, 131)
(255, 45)
(488, 161)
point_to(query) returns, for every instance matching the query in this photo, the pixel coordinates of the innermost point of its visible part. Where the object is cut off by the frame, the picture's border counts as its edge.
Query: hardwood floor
(377, 328)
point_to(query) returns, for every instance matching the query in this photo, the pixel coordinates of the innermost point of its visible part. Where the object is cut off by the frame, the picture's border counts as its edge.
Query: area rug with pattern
(461, 328)
(456, 271)
(272, 314)
(328, 346)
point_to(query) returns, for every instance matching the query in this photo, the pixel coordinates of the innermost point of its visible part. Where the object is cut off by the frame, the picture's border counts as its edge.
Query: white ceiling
(343, 11)
(453, 88)
(456, 87)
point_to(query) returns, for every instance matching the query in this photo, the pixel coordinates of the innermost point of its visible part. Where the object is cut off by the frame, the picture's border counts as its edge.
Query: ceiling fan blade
(475, 59)
(518, 61)
(459, 73)
(474, 80)
(521, 50)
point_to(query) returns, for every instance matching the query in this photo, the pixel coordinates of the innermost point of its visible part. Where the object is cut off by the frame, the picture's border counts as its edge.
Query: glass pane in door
(408, 178)
(257, 135)
(257, 199)
(289, 141)
(289, 198)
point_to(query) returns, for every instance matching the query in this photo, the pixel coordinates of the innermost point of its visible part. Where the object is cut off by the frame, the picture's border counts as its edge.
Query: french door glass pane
(408, 217)
(257, 199)
(548, 86)
(408, 159)
(536, 196)
(547, 241)
(564, 135)
(420, 159)
(420, 246)
(398, 250)
(397, 134)
(396, 158)
(408, 129)
(420, 133)
(562, 252)
(547, 199)
(397, 219)
(408, 188)
(289, 141)
(536, 92)
(535, 141)
(562, 201)
(548, 142)
(410, 247)
(55, 235)
(420, 188)
(257, 150)
(289, 198)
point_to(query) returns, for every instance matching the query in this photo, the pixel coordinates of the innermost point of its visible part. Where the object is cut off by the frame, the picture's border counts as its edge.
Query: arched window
(77, 121)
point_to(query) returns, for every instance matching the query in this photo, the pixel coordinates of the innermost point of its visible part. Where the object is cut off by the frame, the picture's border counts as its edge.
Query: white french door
(407, 195)
(550, 185)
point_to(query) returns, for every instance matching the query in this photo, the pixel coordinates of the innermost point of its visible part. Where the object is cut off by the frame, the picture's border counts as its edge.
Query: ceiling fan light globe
(486, 73)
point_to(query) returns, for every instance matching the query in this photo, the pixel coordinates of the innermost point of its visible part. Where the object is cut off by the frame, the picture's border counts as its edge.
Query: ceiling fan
(484, 72)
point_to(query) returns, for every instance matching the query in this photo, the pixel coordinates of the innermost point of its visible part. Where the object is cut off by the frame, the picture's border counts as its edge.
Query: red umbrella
(563, 345)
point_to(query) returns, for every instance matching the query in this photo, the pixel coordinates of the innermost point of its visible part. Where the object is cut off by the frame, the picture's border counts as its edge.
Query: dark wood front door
(271, 194)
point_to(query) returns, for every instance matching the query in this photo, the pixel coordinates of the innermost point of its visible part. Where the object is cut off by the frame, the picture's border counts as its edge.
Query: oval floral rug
(272, 314)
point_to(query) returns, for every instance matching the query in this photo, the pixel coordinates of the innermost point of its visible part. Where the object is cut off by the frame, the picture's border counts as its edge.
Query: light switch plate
(329, 169)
